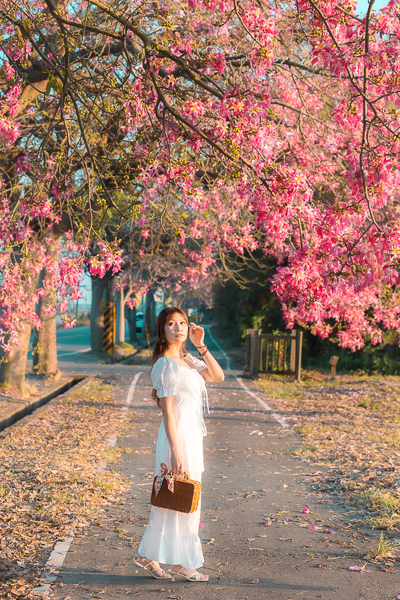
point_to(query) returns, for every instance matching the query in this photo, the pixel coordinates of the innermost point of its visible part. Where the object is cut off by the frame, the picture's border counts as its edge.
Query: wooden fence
(268, 353)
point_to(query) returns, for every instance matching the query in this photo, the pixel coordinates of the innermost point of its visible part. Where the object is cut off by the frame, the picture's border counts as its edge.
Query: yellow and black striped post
(109, 327)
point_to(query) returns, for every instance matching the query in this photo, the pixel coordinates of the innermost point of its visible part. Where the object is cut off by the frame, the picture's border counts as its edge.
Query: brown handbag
(185, 497)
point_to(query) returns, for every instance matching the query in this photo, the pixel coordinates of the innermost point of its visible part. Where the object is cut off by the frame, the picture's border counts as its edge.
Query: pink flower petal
(330, 532)
(313, 528)
(200, 525)
(361, 569)
(305, 511)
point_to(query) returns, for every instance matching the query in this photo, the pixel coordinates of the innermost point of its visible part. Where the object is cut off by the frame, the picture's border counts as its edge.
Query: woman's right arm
(167, 406)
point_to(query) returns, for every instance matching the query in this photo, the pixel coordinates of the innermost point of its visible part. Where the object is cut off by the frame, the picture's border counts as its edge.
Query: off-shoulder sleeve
(198, 364)
(165, 376)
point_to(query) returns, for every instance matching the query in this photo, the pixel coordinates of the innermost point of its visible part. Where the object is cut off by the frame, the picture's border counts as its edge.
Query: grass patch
(369, 404)
(307, 429)
(384, 506)
(378, 500)
(394, 438)
(386, 523)
(383, 548)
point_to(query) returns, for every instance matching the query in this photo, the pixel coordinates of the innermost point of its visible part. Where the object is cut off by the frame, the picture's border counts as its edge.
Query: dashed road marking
(57, 557)
(55, 561)
(263, 404)
(266, 407)
(131, 390)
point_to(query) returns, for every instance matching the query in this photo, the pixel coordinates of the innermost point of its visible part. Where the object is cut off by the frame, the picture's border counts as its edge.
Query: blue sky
(362, 5)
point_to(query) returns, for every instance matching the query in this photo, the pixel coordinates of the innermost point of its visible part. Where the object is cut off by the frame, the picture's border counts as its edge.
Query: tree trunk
(12, 370)
(153, 328)
(147, 318)
(45, 345)
(96, 314)
(121, 318)
(130, 315)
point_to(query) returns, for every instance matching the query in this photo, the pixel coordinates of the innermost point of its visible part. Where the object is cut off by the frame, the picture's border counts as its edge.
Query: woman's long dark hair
(161, 344)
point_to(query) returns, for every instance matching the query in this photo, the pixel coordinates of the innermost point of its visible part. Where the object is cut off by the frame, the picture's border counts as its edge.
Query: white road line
(263, 404)
(55, 561)
(228, 360)
(57, 557)
(280, 420)
(61, 352)
(131, 390)
(112, 441)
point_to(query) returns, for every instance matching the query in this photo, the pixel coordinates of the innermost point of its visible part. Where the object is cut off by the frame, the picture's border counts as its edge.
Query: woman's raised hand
(176, 464)
(196, 334)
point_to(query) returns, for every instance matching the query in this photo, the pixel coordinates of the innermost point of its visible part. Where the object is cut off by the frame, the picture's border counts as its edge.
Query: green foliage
(237, 308)
(383, 359)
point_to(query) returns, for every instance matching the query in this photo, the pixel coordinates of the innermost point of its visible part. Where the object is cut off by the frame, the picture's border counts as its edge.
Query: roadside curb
(126, 359)
(22, 408)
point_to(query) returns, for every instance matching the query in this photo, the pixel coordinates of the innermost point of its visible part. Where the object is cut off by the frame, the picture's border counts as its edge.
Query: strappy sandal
(152, 571)
(196, 576)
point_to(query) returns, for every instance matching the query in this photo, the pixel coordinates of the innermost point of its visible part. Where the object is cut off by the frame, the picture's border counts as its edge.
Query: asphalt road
(74, 342)
(257, 542)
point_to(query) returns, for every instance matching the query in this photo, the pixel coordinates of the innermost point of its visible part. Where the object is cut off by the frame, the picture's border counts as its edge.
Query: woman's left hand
(196, 335)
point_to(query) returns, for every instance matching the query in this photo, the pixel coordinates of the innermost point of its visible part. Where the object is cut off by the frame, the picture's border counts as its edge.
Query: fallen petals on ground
(361, 569)
(51, 482)
(350, 428)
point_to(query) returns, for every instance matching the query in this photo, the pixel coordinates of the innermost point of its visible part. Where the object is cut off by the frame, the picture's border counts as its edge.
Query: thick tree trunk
(130, 315)
(96, 314)
(12, 370)
(45, 346)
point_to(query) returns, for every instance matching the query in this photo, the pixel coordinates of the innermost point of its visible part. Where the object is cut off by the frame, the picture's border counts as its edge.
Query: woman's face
(176, 329)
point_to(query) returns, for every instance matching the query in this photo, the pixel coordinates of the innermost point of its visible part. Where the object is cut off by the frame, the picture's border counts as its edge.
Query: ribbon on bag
(164, 474)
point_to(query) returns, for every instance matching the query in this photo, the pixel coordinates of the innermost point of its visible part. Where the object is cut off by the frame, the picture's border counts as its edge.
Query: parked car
(139, 322)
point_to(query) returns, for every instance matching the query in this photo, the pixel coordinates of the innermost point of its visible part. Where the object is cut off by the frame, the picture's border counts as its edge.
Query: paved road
(250, 477)
(73, 342)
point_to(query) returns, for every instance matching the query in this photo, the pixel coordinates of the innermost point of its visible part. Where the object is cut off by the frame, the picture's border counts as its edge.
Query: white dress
(172, 537)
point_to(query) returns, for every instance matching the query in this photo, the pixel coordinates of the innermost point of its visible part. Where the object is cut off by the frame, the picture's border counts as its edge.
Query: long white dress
(172, 537)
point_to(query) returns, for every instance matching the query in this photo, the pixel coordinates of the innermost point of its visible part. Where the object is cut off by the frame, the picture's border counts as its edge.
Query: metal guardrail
(269, 353)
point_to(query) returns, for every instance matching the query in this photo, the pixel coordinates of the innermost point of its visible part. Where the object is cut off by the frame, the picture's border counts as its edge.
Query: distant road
(73, 341)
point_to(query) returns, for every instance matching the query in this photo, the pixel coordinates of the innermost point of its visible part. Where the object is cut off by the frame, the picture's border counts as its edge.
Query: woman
(178, 378)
